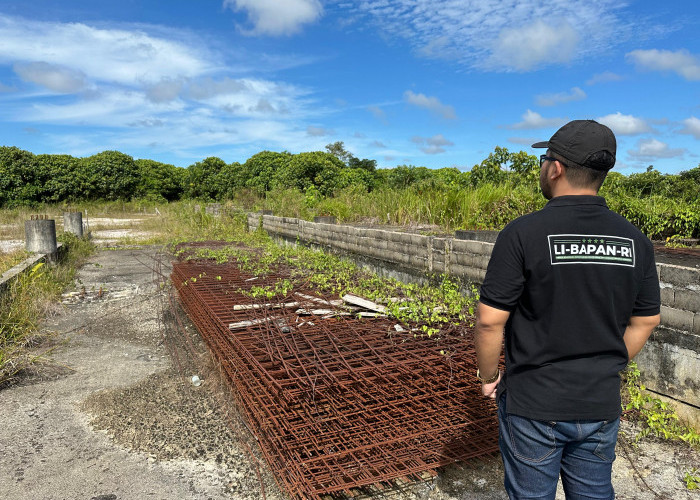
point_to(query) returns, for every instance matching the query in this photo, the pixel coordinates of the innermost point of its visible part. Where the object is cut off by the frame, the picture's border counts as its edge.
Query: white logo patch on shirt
(591, 249)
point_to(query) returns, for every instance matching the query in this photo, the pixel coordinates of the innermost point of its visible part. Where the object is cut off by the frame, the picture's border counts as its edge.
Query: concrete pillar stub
(73, 223)
(40, 236)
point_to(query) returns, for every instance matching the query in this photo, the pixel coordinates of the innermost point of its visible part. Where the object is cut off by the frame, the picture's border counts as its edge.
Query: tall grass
(28, 299)
(488, 206)
(11, 259)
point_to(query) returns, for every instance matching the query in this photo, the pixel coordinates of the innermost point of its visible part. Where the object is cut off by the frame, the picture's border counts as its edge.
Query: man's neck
(572, 191)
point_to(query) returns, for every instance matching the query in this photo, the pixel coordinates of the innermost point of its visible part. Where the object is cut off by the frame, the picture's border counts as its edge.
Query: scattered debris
(367, 304)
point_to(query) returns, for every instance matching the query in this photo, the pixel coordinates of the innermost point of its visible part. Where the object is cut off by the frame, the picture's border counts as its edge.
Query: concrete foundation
(73, 223)
(40, 236)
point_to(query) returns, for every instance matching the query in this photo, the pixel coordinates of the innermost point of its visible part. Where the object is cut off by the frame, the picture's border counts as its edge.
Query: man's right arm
(638, 331)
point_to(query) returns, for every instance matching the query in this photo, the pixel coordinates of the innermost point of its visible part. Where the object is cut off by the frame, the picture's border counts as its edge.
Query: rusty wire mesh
(337, 402)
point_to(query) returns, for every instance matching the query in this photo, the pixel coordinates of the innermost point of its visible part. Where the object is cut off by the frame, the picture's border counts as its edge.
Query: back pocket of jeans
(606, 438)
(531, 440)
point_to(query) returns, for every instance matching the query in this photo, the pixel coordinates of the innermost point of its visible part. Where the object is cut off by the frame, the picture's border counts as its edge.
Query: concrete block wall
(670, 362)
(412, 253)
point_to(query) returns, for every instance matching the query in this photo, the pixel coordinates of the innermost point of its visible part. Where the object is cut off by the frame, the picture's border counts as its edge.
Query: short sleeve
(505, 277)
(648, 301)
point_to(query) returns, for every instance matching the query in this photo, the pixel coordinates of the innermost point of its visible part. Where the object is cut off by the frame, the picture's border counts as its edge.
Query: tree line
(658, 203)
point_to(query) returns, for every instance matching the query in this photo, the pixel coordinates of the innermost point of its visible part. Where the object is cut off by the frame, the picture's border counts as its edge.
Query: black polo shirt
(571, 276)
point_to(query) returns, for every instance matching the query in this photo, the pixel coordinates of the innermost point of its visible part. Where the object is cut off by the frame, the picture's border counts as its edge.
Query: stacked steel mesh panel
(334, 401)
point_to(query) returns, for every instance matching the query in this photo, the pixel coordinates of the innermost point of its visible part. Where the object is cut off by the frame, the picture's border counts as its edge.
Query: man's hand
(489, 390)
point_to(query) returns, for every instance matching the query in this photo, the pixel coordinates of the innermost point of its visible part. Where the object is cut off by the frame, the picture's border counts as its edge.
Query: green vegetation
(657, 418)
(24, 303)
(692, 479)
(429, 307)
(334, 182)
(11, 259)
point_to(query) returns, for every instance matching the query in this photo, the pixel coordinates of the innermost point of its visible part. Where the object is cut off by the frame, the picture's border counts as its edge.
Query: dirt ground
(111, 413)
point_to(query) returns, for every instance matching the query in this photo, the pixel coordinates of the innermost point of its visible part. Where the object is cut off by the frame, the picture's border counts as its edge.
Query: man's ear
(557, 170)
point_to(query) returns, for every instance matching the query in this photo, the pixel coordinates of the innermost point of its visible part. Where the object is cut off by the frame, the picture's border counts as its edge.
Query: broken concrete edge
(416, 258)
(11, 274)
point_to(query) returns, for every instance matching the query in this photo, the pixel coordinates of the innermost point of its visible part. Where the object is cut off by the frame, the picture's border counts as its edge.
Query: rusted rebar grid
(337, 402)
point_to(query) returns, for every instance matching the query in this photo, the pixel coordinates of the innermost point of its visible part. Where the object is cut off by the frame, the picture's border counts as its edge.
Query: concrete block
(406, 238)
(397, 247)
(475, 275)
(419, 240)
(477, 235)
(696, 326)
(419, 262)
(677, 318)
(376, 243)
(670, 369)
(667, 296)
(480, 247)
(685, 299)
(459, 270)
(678, 276)
(397, 257)
(463, 259)
(393, 236)
(325, 219)
(439, 244)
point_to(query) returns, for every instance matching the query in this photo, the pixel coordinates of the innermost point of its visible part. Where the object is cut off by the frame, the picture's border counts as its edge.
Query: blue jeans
(536, 452)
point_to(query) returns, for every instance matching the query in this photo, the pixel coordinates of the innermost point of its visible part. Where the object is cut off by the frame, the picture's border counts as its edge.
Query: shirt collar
(571, 200)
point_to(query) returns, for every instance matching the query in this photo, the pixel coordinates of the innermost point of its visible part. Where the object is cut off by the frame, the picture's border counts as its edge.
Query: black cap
(580, 141)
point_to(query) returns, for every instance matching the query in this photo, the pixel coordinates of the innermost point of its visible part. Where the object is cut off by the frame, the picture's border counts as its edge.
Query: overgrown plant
(429, 307)
(657, 417)
(28, 298)
(692, 479)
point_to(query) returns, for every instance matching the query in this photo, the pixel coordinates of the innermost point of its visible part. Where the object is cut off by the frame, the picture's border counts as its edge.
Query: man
(575, 288)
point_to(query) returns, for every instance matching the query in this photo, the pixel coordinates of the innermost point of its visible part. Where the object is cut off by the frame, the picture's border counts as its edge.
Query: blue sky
(437, 83)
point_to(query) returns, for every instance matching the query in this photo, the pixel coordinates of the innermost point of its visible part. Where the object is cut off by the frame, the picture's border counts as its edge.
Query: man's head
(585, 148)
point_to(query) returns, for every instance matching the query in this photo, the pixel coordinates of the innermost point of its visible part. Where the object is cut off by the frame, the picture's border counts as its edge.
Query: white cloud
(523, 140)
(432, 145)
(653, 149)
(681, 62)
(377, 144)
(691, 126)
(624, 124)
(503, 35)
(604, 77)
(145, 87)
(432, 104)
(378, 113)
(51, 76)
(165, 90)
(533, 120)
(527, 47)
(318, 131)
(112, 55)
(274, 17)
(576, 94)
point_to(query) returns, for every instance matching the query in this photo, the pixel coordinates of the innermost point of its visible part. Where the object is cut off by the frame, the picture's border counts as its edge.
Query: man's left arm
(488, 341)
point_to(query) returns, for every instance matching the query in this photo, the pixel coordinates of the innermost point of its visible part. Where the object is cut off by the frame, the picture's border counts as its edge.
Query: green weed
(657, 417)
(27, 300)
(692, 479)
